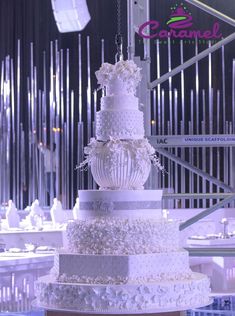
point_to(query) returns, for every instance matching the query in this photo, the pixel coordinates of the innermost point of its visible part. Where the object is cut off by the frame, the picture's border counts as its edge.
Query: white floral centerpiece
(140, 150)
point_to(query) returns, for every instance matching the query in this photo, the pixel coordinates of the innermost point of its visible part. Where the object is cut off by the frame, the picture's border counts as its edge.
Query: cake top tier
(120, 78)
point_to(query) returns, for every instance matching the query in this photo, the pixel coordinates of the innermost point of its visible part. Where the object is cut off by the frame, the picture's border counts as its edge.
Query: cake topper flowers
(125, 70)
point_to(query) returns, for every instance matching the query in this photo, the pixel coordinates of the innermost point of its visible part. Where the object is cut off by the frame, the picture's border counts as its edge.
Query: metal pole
(176, 133)
(232, 149)
(182, 123)
(196, 196)
(80, 174)
(13, 131)
(197, 116)
(191, 150)
(210, 116)
(72, 149)
(32, 108)
(67, 135)
(131, 31)
(89, 92)
(64, 165)
(204, 149)
(226, 157)
(18, 109)
(154, 120)
(218, 151)
(170, 164)
(2, 136)
(79, 78)
(80, 151)
(29, 142)
(159, 122)
(22, 166)
(163, 130)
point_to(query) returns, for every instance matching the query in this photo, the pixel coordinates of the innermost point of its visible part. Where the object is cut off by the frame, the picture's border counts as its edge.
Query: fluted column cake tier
(120, 164)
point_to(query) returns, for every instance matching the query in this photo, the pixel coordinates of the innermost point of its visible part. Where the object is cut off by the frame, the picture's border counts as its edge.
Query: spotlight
(70, 15)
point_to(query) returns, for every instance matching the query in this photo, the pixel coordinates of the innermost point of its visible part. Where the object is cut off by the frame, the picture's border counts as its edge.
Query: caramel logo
(179, 22)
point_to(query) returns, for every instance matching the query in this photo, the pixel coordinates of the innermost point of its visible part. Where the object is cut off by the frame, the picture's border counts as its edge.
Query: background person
(50, 165)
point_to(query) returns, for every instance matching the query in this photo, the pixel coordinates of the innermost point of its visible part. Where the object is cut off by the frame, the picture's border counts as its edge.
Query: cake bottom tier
(128, 298)
(120, 269)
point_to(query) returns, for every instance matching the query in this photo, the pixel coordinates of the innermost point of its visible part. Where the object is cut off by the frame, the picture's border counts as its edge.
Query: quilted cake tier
(120, 124)
(106, 269)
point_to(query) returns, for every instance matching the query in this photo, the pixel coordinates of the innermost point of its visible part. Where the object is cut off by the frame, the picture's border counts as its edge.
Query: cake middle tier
(120, 124)
(119, 102)
(114, 236)
(104, 269)
(131, 204)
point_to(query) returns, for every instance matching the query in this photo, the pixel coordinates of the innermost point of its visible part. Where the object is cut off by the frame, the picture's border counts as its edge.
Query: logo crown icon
(180, 18)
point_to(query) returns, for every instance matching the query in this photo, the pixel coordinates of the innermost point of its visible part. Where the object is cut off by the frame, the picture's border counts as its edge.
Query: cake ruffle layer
(105, 269)
(115, 236)
(122, 124)
(156, 296)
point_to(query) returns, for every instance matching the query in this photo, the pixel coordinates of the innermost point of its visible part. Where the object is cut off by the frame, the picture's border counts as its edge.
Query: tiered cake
(120, 256)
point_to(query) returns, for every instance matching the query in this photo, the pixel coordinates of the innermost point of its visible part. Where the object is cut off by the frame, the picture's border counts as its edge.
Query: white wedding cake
(120, 256)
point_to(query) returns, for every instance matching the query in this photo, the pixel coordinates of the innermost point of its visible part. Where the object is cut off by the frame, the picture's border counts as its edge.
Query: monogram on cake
(120, 255)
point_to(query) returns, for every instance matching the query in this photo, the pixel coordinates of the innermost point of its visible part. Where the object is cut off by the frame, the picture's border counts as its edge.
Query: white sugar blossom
(140, 150)
(118, 298)
(126, 71)
(105, 235)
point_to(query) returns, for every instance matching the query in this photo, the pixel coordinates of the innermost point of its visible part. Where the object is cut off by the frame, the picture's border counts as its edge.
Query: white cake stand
(129, 312)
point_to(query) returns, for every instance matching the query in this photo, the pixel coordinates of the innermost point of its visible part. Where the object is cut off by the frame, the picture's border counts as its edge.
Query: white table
(218, 262)
(27, 267)
(18, 238)
(19, 269)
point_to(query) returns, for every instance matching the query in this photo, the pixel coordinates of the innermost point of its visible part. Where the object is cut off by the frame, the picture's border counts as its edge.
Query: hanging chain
(118, 16)
(118, 37)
